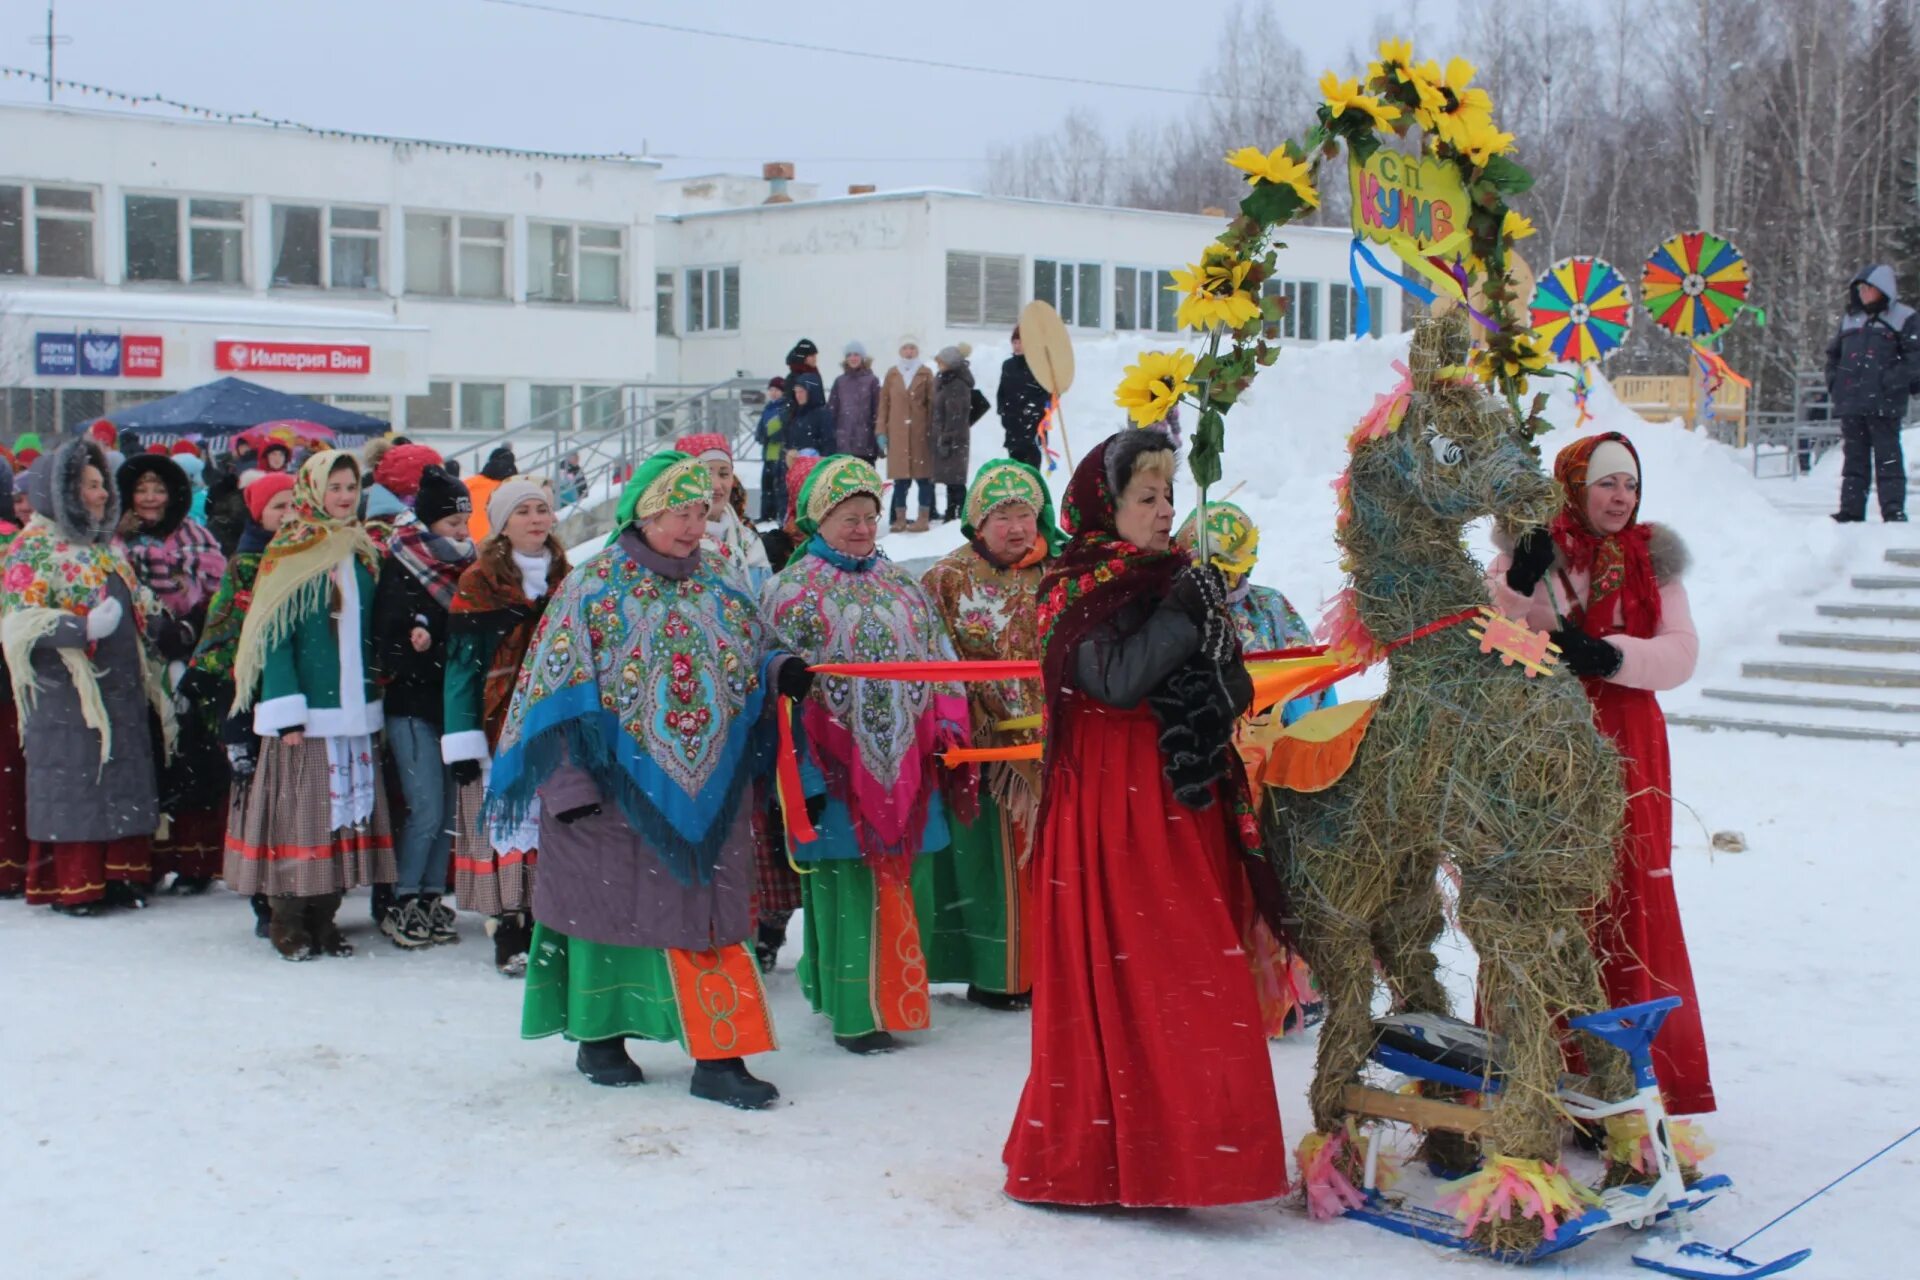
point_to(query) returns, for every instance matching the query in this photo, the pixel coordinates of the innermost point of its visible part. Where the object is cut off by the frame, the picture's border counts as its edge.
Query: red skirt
(1636, 932)
(1150, 1082)
(196, 844)
(13, 801)
(71, 872)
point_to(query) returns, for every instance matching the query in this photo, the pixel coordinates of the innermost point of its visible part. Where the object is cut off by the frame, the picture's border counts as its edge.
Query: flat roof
(955, 193)
(295, 128)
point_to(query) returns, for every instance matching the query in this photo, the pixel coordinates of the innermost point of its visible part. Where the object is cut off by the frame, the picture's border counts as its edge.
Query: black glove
(793, 680)
(197, 686)
(816, 805)
(1586, 655)
(574, 815)
(173, 637)
(466, 771)
(1199, 589)
(1532, 557)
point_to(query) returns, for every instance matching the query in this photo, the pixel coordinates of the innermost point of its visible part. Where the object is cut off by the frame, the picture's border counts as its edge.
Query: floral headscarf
(1619, 565)
(296, 568)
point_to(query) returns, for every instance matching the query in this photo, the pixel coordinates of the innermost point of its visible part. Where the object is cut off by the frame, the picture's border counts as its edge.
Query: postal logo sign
(292, 357)
(98, 355)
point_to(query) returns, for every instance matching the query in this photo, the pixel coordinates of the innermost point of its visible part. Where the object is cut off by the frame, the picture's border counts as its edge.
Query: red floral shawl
(1620, 566)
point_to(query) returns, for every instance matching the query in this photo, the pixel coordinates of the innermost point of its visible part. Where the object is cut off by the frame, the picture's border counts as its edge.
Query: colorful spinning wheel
(1582, 309)
(1695, 284)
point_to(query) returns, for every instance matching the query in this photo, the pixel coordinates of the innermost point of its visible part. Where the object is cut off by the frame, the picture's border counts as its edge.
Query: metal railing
(618, 427)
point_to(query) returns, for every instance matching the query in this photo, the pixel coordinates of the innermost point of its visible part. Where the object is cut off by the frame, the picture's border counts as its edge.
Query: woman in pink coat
(1608, 588)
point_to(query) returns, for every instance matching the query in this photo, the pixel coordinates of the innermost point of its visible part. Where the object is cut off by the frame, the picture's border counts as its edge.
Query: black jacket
(1873, 362)
(811, 427)
(413, 683)
(1021, 400)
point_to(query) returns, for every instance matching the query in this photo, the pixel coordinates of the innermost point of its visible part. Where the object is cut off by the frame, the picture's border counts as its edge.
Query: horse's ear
(1440, 340)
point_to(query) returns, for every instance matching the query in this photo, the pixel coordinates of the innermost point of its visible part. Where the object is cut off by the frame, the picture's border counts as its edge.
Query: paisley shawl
(874, 740)
(653, 685)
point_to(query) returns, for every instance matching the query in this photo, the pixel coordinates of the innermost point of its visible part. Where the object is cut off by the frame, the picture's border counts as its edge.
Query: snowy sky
(478, 71)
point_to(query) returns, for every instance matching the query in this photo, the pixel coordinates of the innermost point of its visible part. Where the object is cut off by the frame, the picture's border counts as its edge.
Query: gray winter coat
(1873, 361)
(71, 795)
(855, 400)
(952, 431)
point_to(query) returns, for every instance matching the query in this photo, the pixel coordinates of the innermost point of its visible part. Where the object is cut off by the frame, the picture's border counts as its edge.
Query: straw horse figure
(1466, 761)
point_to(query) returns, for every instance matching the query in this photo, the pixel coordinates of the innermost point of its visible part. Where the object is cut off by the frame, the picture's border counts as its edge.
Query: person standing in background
(905, 415)
(770, 434)
(1873, 369)
(855, 401)
(951, 433)
(809, 420)
(1022, 402)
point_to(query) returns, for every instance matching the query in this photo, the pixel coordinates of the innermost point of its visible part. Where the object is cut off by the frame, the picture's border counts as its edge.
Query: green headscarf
(666, 480)
(1002, 481)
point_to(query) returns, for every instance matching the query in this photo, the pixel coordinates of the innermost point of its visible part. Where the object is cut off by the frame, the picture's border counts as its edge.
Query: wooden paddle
(1049, 352)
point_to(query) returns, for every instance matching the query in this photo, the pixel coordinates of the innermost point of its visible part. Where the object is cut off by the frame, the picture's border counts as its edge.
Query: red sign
(291, 357)
(141, 357)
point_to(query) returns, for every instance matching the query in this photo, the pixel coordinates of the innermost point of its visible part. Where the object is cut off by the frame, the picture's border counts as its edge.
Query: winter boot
(382, 900)
(921, 523)
(512, 939)
(190, 886)
(872, 1042)
(125, 893)
(606, 1062)
(323, 926)
(1004, 1001)
(728, 1080)
(897, 521)
(262, 915)
(441, 920)
(289, 930)
(78, 910)
(408, 923)
(770, 937)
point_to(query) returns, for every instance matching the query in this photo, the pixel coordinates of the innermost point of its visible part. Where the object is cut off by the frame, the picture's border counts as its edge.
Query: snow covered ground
(174, 1101)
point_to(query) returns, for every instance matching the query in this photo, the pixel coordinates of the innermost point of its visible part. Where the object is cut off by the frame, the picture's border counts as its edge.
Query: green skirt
(863, 962)
(596, 991)
(972, 908)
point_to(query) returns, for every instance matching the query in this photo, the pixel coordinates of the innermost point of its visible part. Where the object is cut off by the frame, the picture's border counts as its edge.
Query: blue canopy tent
(221, 408)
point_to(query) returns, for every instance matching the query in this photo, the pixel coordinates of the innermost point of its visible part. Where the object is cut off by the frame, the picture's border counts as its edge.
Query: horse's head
(1460, 453)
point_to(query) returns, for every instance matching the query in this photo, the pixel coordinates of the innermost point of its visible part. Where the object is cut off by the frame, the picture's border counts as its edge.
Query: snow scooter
(1446, 1051)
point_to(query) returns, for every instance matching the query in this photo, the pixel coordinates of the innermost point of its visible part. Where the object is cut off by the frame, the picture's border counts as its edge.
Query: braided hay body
(1467, 761)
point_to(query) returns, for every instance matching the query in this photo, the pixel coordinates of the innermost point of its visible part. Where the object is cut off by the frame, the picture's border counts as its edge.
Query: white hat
(1610, 458)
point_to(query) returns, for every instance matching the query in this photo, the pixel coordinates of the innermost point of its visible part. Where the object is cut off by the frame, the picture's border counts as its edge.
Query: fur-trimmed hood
(179, 490)
(55, 493)
(1665, 548)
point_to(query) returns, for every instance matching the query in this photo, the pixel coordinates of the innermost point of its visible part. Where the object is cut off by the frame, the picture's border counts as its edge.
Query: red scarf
(1620, 565)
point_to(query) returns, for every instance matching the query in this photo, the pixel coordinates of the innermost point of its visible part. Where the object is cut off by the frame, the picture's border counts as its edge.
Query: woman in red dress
(1609, 588)
(1150, 1083)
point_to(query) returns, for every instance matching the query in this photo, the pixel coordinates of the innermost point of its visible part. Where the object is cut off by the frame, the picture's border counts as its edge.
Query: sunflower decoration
(1508, 362)
(1153, 387)
(1217, 290)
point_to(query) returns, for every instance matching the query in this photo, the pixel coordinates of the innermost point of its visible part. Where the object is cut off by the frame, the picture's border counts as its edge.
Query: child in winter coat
(771, 433)
(313, 823)
(425, 558)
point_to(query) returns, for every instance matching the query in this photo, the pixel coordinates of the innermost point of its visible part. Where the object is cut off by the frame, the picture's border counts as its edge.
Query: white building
(738, 286)
(433, 284)
(454, 287)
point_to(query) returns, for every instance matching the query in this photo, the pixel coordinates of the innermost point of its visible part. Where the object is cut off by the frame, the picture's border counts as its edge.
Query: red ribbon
(786, 782)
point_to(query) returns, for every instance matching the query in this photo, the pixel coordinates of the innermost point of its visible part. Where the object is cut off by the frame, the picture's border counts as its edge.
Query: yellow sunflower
(1213, 291)
(1151, 388)
(1279, 168)
(1475, 136)
(1515, 227)
(1395, 57)
(1344, 94)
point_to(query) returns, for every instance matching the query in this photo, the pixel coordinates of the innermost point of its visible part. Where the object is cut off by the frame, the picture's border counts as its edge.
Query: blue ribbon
(1363, 312)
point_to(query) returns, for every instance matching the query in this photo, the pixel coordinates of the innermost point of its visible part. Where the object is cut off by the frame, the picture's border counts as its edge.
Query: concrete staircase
(1853, 673)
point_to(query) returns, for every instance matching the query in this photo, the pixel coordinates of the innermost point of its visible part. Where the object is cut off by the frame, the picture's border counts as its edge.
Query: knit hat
(950, 357)
(707, 444)
(258, 492)
(1611, 458)
(856, 348)
(801, 350)
(399, 469)
(184, 447)
(193, 465)
(105, 432)
(440, 495)
(511, 494)
(500, 464)
(907, 340)
(26, 449)
(776, 383)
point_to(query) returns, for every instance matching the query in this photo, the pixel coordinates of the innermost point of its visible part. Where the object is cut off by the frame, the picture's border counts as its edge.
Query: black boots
(999, 1000)
(872, 1042)
(770, 937)
(262, 915)
(512, 939)
(606, 1062)
(727, 1080)
(190, 886)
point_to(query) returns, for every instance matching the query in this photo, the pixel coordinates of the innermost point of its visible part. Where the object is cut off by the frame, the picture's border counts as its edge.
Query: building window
(983, 289)
(211, 239)
(600, 407)
(347, 256)
(566, 263)
(432, 411)
(1343, 311)
(473, 265)
(663, 304)
(553, 405)
(1302, 316)
(713, 299)
(1141, 301)
(56, 241)
(1072, 287)
(483, 406)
